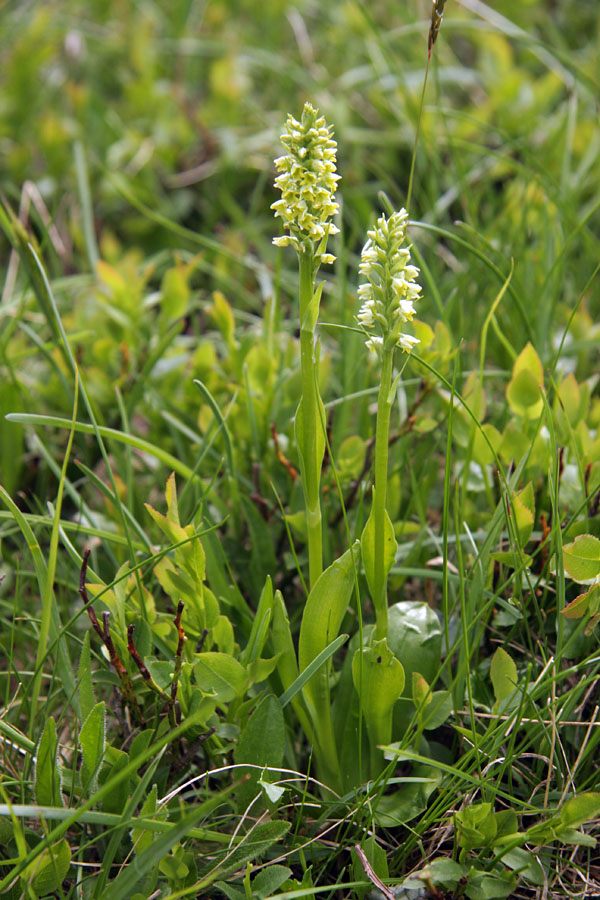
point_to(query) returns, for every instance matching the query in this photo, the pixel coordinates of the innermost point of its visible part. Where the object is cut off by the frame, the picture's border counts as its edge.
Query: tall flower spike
(390, 290)
(307, 182)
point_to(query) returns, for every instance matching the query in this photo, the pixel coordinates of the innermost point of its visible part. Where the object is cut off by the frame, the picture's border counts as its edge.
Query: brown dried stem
(103, 633)
(181, 639)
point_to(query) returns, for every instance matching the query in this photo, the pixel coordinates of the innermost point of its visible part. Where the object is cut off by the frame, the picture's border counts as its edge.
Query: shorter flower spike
(307, 180)
(390, 290)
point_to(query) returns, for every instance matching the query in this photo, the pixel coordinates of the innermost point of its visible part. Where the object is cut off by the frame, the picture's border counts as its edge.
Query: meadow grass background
(137, 141)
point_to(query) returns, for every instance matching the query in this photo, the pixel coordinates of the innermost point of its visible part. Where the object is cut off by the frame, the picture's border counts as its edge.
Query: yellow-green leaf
(581, 558)
(503, 673)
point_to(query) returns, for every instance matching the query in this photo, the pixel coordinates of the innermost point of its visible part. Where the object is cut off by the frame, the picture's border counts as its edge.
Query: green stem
(310, 419)
(384, 408)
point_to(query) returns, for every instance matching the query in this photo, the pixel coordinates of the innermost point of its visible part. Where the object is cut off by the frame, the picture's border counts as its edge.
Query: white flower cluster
(390, 290)
(307, 182)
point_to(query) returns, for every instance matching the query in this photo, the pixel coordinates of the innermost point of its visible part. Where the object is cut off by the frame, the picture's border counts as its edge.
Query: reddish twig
(103, 633)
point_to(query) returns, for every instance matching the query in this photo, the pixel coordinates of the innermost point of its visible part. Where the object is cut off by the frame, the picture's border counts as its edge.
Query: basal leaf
(379, 679)
(326, 606)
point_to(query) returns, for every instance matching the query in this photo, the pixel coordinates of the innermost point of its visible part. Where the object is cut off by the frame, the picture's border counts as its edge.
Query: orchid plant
(307, 180)
(388, 292)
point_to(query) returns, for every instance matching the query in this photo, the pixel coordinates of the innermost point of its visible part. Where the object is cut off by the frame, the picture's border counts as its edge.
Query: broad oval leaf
(581, 559)
(220, 674)
(415, 638)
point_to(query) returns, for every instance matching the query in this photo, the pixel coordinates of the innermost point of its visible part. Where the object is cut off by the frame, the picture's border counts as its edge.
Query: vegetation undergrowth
(285, 615)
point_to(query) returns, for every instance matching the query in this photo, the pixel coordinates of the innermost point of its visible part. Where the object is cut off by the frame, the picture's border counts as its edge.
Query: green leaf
(48, 871)
(261, 743)
(260, 625)
(272, 791)
(446, 872)
(525, 864)
(175, 293)
(523, 395)
(517, 560)
(230, 892)
(47, 775)
(409, 800)
(437, 711)
(140, 838)
(262, 554)
(220, 674)
(282, 643)
(483, 886)
(415, 638)
(350, 457)
(312, 310)
(256, 843)
(578, 810)
(115, 761)
(421, 692)
(377, 859)
(582, 603)
(312, 669)
(367, 545)
(503, 673)
(269, 880)
(476, 826)
(319, 436)
(582, 558)
(222, 314)
(574, 837)
(523, 514)
(507, 824)
(523, 391)
(379, 680)
(260, 669)
(91, 740)
(321, 620)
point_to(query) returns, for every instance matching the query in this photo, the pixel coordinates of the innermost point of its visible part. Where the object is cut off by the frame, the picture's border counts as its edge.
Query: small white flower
(365, 315)
(374, 344)
(407, 342)
(406, 309)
